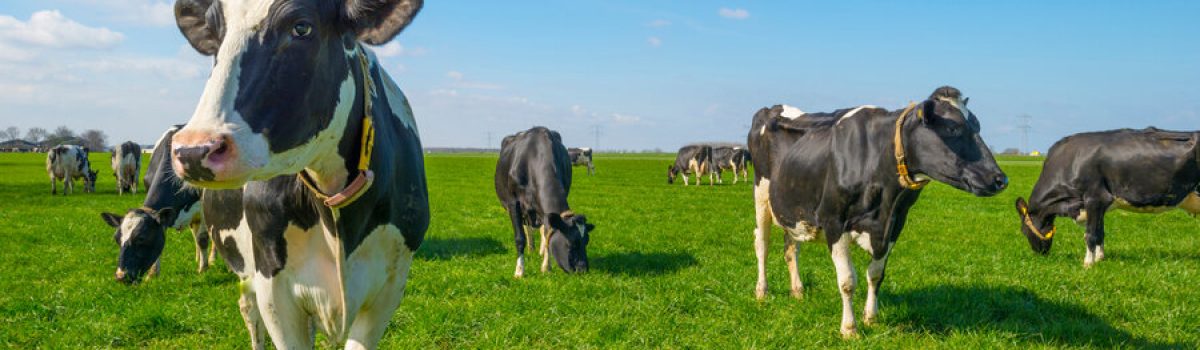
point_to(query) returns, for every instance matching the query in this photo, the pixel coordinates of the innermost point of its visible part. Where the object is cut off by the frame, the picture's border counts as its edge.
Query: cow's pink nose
(200, 156)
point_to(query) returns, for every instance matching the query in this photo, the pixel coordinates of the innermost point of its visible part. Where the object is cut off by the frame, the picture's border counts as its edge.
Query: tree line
(93, 139)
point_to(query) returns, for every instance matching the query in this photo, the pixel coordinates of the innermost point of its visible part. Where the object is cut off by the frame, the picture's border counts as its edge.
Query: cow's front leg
(54, 186)
(371, 322)
(519, 239)
(545, 250)
(685, 178)
(791, 247)
(840, 252)
(875, 273)
(200, 234)
(1094, 236)
(154, 269)
(762, 234)
(289, 326)
(251, 317)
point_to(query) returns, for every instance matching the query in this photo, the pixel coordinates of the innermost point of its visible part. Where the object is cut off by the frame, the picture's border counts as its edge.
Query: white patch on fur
(186, 215)
(852, 112)
(1082, 217)
(802, 232)
(1121, 203)
(1191, 204)
(132, 221)
(791, 112)
(863, 240)
(762, 131)
(398, 102)
(959, 103)
(846, 277)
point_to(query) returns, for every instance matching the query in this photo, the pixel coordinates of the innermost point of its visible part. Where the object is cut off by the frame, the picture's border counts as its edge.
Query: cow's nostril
(1002, 181)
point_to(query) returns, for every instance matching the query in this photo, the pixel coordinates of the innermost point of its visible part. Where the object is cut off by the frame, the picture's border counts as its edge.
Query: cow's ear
(555, 221)
(199, 22)
(1022, 207)
(111, 219)
(377, 21)
(966, 100)
(166, 216)
(590, 228)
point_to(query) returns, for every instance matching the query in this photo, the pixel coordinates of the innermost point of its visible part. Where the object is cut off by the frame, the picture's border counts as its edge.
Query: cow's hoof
(760, 293)
(518, 274)
(849, 332)
(798, 293)
(869, 320)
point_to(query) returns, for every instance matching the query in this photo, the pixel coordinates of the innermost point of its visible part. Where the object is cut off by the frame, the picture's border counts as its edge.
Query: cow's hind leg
(847, 279)
(762, 233)
(545, 248)
(520, 239)
(791, 248)
(54, 186)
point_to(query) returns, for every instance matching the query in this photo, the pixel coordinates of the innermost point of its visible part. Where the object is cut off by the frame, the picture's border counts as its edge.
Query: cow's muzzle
(204, 157)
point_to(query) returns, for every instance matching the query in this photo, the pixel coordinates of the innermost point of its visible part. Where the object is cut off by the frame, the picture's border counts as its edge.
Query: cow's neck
(332, 171)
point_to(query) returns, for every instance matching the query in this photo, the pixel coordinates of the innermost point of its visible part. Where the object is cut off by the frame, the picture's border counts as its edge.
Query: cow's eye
(301, 29)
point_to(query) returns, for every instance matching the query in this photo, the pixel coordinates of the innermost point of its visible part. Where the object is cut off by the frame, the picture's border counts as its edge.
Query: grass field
(672, 267)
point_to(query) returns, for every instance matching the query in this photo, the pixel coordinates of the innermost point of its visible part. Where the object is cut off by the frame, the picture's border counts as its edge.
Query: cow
(732, 158)
(126, 164)
(1086, 175)
(67, 163)
(295, 92)
(695, 159)
(141, 232)
(582, 156)
(533, 178)
(852, 175)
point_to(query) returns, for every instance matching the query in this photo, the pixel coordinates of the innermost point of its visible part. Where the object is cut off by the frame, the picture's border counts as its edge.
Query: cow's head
(671, 174)
(89, 180)
(943, 143)
(140, 236)
(569, 239)
(1041, 240)
(285, 79)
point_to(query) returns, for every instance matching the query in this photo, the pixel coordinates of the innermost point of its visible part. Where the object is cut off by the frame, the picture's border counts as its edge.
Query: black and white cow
(852, 176)
(126, 164)
(294, 91)
(732, 158)
(141, 232)
(1086, 175)
(582, 156)
(68, 163)
(533, 178)
(694, 159)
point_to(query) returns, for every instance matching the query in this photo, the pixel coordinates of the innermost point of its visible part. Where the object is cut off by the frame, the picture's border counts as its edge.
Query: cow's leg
(289, 326)
(685, 179)
(203, 243)
(847, 279)
(519, 239)
(875, 274)
(371, 322)
(154, 269)
(250, 315)
(545, 247)
(54, 186)
(68, 185)
(791, 246)
(710, 169)
(762, 233)
(1095, 234)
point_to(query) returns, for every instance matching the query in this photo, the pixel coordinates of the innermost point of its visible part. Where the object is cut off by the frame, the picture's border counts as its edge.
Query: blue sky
(653, 74)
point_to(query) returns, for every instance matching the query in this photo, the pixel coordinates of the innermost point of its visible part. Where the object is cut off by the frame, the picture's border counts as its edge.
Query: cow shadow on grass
(1019, 313)
(447, 248)
(641, 264)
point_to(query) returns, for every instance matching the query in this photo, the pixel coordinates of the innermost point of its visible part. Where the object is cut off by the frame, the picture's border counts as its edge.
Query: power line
(1024, 126)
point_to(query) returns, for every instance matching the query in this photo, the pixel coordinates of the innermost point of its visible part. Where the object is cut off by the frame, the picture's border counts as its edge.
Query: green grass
(672, 267)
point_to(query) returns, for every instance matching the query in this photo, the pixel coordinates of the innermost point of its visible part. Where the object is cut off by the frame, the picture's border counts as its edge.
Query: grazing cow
(695, 159)
(533, 178)
(1086, 175)
(294, 91)
(582, 156)
(67, 163)
(852, 176)
(141, 232)
(126, 163)
(732, 158)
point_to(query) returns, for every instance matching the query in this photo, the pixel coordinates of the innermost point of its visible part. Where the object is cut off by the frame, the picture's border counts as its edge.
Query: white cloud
(658, 23)
(618, 118)
(50, 29)
(739, 13)
(169, 68)
(155, 13)
(394, 49)
(456, 75)
(654, 41)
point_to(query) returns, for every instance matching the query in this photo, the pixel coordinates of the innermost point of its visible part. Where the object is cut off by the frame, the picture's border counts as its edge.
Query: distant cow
(694, 159)
(141, 232)
(295, 91)
(582, 156)
(126, 164)
(68, 163)
(1086, 175)
(533, 178)
(732, 158)
(852, 176)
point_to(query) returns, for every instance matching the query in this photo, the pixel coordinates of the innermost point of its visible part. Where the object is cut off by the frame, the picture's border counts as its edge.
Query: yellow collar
(1029, 223)
(365, 177)
(901, 167)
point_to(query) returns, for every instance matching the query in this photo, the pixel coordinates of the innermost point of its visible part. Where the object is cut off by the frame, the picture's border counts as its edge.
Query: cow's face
(140, 236)
(946, 146)
(286, 78)
(671, 173)
(569, 240)
(89, 181)
(1038, 244)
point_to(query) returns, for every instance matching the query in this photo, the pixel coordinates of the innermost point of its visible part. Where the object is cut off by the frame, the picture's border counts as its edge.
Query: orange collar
(901, 167)
(365, 177)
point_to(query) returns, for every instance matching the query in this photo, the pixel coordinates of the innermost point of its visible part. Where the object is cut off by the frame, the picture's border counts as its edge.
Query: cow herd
(303, 168)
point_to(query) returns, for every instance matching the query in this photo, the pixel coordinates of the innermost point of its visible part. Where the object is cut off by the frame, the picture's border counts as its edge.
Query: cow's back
(532, 158)
(1138, 166)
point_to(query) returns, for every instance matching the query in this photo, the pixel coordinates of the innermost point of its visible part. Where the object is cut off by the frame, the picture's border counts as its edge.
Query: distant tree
(94, 139)
(61, 134)
(12, 133)
(1011, 151)
(35, 134)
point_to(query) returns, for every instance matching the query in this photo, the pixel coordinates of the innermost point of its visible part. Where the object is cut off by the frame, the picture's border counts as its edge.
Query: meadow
(671, 267)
